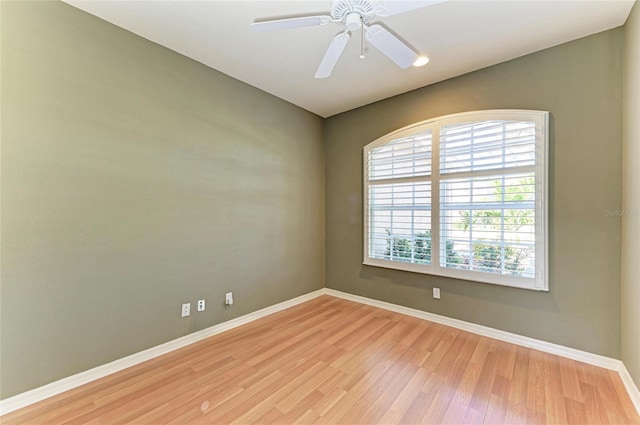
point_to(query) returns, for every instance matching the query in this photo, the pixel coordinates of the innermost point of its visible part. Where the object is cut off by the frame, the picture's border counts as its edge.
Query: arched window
(462, 196)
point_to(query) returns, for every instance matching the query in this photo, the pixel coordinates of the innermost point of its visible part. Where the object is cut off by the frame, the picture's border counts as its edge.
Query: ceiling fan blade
(391, 46)
(332, 55)
(395, 7)
(285, 24)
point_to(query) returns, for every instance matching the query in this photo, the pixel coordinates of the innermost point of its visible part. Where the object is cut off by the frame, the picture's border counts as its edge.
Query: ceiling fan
(353, 15)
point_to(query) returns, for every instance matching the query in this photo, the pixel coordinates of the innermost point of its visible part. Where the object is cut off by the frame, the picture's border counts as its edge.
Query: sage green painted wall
(580, 84)
(631, 198)
(133, 180)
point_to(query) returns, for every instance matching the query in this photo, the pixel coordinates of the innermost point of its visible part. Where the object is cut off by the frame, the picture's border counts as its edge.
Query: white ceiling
(458, 37)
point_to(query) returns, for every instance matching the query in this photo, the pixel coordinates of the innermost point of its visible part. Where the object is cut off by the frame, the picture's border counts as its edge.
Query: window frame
(541, 171)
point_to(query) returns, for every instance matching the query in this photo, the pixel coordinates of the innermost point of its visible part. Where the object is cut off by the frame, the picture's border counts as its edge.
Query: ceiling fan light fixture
(421, 61)
(353, 22)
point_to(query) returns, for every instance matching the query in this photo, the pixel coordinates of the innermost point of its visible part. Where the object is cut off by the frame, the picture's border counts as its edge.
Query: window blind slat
(409, 157)
(482, 146)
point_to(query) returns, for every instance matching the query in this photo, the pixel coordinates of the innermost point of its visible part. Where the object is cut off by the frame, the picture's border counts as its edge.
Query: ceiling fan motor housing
(351, 14)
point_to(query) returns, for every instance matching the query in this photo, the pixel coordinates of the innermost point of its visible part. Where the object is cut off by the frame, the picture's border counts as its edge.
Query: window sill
(501, 280)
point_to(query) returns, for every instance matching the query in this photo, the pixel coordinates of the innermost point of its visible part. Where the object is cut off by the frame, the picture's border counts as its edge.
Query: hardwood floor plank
(380, 396)
(501, 387)
(403, 401)
(536, 381)
(263, 397)
(331, 361)
(448, 352)
(438, 406)
(570, 380)
(496, 410)
(575, 411)
(518, 384)
(273, 416)
(455, 414)
(555, 411)
(197, 407)
(416, 410)
(468, 382)
(473, 417)
(307, 386)
(374, 374)
(481, 395)
(416, 330)
(593, 407)
(519, 414)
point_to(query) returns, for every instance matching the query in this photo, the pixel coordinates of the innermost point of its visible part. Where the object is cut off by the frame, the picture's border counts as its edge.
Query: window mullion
(392, 238)
(502, 244)
(521, 169)
(413, 221)
(393, 203)
(471, 256)
(503, 190)
(435, 199)
(413, 206)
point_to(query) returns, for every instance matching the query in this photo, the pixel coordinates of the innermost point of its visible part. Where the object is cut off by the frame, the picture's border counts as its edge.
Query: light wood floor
(330, 361)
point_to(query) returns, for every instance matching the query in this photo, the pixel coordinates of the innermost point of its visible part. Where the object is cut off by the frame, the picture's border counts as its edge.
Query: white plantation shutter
(407, 157)
(461, 196)
(491, 222)
(487, 196)
(400, 199)
(487, 145)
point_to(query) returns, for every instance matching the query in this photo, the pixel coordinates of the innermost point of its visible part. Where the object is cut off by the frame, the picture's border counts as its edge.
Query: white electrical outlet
(201, 305)
(228, 299)
(186, 309)
(436, 293)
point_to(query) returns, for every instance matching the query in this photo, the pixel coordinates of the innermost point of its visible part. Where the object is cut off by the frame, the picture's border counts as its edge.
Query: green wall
(133, 180)
(631, 198)
(580, 84)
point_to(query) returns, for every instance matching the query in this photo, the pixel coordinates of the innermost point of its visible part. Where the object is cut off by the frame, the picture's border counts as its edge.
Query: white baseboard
(547, 347)
(22, 400)
(38, 394)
